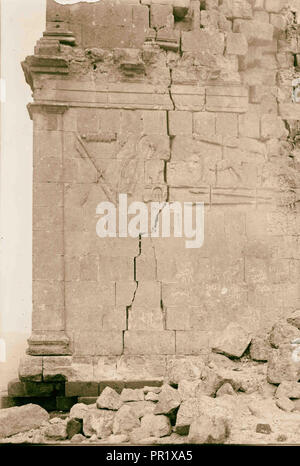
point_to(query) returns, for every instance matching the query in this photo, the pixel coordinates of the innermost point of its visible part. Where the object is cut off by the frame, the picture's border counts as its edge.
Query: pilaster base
(49, 344)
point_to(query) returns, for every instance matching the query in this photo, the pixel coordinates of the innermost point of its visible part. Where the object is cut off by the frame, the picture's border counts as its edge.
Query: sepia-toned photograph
(150, 225)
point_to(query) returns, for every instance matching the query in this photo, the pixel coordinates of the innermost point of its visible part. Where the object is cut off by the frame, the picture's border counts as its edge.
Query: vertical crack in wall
(129, 307)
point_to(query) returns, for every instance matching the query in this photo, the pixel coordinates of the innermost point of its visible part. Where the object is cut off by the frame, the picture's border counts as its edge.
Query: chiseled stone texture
(164, 101)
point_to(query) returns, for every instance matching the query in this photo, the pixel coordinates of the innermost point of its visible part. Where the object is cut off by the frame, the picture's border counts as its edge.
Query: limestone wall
(166, 100)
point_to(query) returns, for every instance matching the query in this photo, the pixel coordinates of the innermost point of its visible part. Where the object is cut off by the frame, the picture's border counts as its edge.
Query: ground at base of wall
(228, 402)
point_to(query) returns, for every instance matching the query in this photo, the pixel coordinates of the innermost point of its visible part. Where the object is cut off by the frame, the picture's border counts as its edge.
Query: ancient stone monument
(162, 100)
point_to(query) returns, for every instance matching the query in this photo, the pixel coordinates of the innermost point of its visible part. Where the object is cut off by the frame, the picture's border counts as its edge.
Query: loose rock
(283, 333)
(129, 394)
(263, 429)
(78, 411)
(57, 431)
(125, 420)
(169, 399)
(156, 426)
(21, 418)
(233, 341)
(74, 427)
(98, 422)
(285, 404)
(109, 399)
(209, 429)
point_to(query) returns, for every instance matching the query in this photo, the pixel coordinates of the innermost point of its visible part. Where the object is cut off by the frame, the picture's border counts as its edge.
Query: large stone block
(192, 343)
(31, 368)
(283, 365)
(180, 123)
(236, 9)
(236, 44)
(256, 33)
(21, 419)
(146, 342)
(226, 99)
(203, 41)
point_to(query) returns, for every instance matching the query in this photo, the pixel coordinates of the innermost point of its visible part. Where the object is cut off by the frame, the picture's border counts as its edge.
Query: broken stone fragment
(294, 319)
(138, 435)
(226, 389)
(78, 411)
(188, 368)
(285, 404)
(233, 341)
(256, 33)
(211, 381)
(190, 389)
(288, 390)
(263, 429)
(156, 426)
(283, 332)
(125, 420)
(140, 408)
(194, 408)
(78, 438)
(260, 349)
(109, 399)
(21, 418)
(151, 389)
(98, 422)
(150, 396)
(169, 399)
(74, 427)
(209, 429)
(57, 431)
(282, 366)
(129, 394)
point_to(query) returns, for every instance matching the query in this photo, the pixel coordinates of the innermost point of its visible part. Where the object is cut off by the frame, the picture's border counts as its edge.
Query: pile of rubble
(247, 392)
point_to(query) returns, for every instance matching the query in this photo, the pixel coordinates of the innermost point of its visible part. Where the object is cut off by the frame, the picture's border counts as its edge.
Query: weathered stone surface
(150, 396)
(225, 389)
(236, 44)
(31, 368)
(209, 429)
(285, 404)
(140, 408)
(263, 428)
(57, 431)
(173, 101)
(188, 368)
(74, 427)
(233, 341)
(260, 349)
(288, 390)
(169, 399)
(283, 333)
(156, 425)
(21, 419)
(98, 422)
(190, 389)
(282, 367)
(78, 438)
(211, 381)
(109, 399)
(294, 319)
(153, 389)
(125, 420)
(203, 41)
(256, 33)
(78, 411)
(129, 394)
(194, 408)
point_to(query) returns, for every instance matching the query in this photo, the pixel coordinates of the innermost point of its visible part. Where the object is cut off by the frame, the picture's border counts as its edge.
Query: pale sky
(22, 24)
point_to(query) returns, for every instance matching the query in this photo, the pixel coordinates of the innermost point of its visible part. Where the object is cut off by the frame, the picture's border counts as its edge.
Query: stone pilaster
(48, 296)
